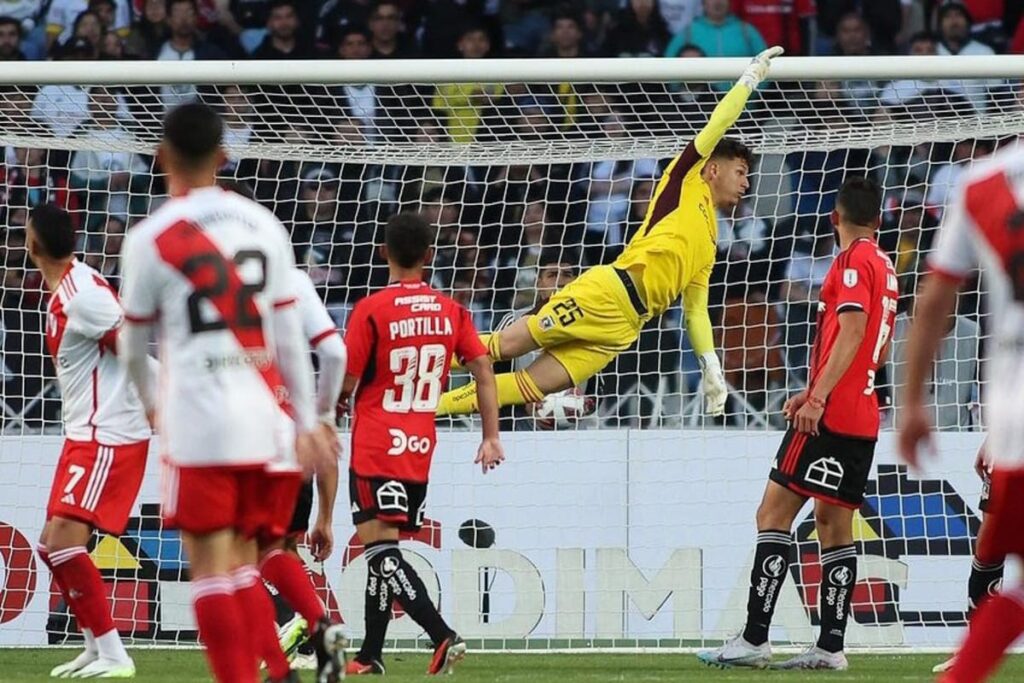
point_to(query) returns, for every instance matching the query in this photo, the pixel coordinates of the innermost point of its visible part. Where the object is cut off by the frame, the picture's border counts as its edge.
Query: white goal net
(624, 517)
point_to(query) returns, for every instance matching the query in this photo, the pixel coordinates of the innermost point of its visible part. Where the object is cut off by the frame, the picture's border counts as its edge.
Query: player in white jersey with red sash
(212, 270)
(107, 438)
(982, 229)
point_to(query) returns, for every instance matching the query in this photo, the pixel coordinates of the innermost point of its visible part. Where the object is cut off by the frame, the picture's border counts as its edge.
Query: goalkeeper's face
(728, 180)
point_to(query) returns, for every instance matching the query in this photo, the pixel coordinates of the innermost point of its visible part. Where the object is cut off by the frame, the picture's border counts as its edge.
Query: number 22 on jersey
(417, 372)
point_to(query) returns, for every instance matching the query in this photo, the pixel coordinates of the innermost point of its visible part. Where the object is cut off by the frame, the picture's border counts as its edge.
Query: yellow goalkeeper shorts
(588, 322)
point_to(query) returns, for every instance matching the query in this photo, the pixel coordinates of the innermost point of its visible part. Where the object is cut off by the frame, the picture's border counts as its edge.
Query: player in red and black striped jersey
(400, 343)
(826, 454)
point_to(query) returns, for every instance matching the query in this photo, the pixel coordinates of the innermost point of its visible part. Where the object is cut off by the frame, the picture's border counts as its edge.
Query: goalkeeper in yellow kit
(585, 325)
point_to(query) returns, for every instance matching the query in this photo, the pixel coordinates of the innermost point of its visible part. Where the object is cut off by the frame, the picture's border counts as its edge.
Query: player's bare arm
(934, 305)
(852, 327)
(490, 454)
(321, 537)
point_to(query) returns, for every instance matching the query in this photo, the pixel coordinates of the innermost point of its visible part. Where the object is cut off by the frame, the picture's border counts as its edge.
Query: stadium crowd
(497, 223)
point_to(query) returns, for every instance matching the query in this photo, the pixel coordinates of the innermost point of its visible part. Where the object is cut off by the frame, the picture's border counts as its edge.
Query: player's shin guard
(984, 581)
(407, 588)
(771, 562)
(997, 623)
(257, 609)
(222, 629)
(75, 573)
(289, 577)
(838, 578)
(376, 611)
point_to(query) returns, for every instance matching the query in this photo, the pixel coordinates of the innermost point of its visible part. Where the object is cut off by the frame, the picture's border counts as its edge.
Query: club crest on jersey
(850, 277)
(547, 323)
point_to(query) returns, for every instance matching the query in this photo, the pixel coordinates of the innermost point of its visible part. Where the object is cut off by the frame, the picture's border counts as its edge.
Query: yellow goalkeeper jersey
(674, 250)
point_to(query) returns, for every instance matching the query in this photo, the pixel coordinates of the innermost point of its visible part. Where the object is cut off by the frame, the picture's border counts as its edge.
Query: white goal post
(630, 524)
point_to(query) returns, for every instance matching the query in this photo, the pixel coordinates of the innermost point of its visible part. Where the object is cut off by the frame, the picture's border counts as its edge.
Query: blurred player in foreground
(400, 342)
(107, 438)
(584, 326)
(213, 271)
(826, 454)
(981, 229)
(280, 563)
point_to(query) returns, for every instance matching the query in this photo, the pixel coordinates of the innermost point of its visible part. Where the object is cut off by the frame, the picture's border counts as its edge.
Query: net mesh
(509, 173)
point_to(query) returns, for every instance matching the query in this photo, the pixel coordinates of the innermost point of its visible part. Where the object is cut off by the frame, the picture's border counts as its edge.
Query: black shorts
(828, 467)
(390, 500)
(986, 490)
(303, 509)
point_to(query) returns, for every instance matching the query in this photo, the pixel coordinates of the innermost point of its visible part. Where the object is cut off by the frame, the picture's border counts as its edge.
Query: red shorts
(1002, 532)
(201, 500)
(97, 484)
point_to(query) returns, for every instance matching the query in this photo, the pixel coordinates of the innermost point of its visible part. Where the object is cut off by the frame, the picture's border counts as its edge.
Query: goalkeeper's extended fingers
(766, 56)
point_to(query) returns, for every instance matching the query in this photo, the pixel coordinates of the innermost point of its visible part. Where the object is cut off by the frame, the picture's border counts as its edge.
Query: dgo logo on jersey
(403, 443)
(773, 566)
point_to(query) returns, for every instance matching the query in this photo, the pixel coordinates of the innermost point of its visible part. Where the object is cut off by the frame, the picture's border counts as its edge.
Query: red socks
(81, 583)
(223, 629)
(258, 611)
(994, 627)
(71, 602)
(286, 572)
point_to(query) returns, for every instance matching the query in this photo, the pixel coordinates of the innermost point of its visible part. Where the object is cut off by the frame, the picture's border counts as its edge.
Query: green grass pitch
(185, 666)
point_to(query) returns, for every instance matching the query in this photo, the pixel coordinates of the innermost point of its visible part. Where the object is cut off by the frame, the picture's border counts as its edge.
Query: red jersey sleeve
(854, 283)
(467, 344)
(360, 336)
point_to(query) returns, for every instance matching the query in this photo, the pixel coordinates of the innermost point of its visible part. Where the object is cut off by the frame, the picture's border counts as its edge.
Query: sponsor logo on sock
(773, 566)
(389, 566)
(840, 576)
(410, 592)
(994, 586)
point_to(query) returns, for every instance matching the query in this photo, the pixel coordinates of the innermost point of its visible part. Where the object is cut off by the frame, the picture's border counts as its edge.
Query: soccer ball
(562, 410)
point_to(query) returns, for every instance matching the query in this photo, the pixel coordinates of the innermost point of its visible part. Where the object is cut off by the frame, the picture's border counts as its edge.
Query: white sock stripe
(376, 550)
(246, 576)
(271, 554)
(771, 537)
(981, 567)
(62, 556)
(212, 585)
(837, 555)
(104, 461)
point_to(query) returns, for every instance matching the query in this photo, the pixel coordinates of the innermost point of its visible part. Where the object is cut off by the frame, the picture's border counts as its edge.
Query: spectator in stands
(443, 23)
(31, 178)
(566, 38)
(853, 39)
(639, 30)
(88, 28)
(743, 243)
(282, 41)
(336, 14)
(944, 175)
(679, 13)
(750, 336)
(883, 19)
(17, 106)
(465, 108)
(62, 14)
(719, 33)
(525, 25)
(184, 45)
(916, 93)
(103, 249)
(10, 40)
(149, 33)
(107, 176)
(387, 32)
(953, 389)
(243, 22)
(63, 108)
(240, 120)
(908, 229)
(316, 234)
(805, 273)
(106, 10)
(780, 23)
(112, 47)
(954, 24)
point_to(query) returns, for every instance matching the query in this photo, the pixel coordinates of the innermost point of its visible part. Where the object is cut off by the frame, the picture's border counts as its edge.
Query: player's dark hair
(731, 148)
(408, 238)
(194, 131)
(859, 200)
(53, 229)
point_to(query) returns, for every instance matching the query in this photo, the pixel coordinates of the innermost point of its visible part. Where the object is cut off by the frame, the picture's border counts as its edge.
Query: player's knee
(833, 525)
(769, 517)
(61, 534)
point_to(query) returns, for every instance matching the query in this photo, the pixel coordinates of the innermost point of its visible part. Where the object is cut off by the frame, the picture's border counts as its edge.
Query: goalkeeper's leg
(511, 342)
(544, 376)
